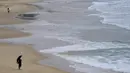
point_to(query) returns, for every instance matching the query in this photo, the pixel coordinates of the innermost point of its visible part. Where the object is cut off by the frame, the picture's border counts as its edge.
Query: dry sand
(9, 54)
(10, 18)
(15, 9)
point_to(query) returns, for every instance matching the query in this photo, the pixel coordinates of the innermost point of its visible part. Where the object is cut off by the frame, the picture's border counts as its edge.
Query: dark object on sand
(27, 16)
(8, 10)
(19, 62)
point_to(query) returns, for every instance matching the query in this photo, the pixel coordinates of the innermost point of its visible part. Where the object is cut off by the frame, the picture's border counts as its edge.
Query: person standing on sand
(19, 61)
(8, 10)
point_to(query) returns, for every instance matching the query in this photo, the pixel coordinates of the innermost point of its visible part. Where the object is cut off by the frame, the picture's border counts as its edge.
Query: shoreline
(9, 33)
(45, 66)
(111, 29)
(15, 10)
(30, 59)
(6, 33)
(30, 55)
(68, 65)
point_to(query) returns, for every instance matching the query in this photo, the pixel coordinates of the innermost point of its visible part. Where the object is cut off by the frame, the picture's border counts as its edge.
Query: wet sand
(9, 52)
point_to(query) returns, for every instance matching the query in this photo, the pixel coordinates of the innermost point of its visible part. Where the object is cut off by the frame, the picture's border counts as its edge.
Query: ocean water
(68, 21)
(107, 55)
(116, 12)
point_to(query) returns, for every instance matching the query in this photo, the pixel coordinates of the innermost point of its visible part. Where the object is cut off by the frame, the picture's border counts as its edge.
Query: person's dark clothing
(8, 10)
(19, 61)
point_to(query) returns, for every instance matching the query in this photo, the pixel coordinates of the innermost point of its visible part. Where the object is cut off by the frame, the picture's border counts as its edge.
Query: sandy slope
(9, 53)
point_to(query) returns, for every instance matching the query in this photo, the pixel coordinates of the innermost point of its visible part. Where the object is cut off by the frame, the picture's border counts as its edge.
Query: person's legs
(19, 66)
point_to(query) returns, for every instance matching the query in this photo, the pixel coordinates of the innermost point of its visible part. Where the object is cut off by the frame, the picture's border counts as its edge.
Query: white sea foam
(86, 46)
(115, 12)
(70, 17)
(121, 65)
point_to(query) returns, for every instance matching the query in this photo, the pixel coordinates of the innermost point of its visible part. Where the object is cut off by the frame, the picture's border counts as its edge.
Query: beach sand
(9, 54)
(10, 18)
(15, 10)
(31, 58)
(8, 33)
